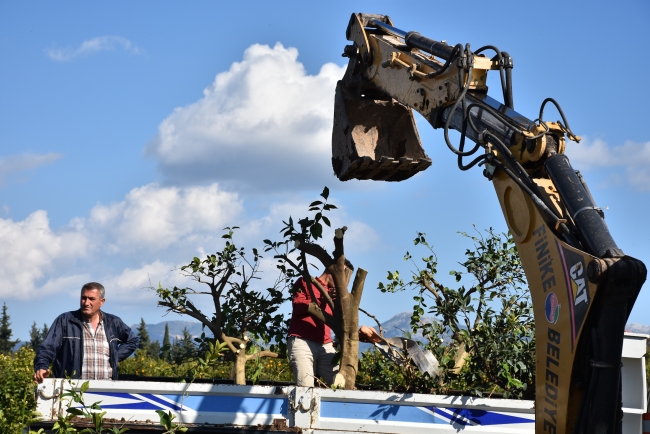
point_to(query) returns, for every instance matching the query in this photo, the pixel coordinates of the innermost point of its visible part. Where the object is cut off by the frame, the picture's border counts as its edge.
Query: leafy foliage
(487, 323)
(242, 313)
(267, 369)
(77, 407)
(17, 405)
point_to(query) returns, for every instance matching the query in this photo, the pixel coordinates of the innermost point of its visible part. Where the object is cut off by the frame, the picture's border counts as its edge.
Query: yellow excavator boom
(582, 285)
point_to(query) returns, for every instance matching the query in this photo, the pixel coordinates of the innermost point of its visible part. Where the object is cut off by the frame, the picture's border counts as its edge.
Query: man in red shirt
(309, 344)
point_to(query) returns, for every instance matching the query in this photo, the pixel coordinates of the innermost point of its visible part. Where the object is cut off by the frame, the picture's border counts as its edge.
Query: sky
(132, 133)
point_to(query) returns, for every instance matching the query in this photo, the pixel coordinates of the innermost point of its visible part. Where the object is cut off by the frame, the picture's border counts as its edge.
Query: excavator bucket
(375, 139)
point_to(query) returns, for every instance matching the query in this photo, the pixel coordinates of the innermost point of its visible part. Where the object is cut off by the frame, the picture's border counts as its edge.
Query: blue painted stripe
(231, 404)
(161, 401)
(453, 418)
(143, 405)
(385, 412)
(459, 417)
(480, 417)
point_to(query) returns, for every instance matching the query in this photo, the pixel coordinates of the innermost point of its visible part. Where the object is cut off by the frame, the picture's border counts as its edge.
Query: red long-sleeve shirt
(304, 325)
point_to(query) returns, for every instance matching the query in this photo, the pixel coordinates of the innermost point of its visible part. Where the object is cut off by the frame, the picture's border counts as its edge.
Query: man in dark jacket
(85, 343)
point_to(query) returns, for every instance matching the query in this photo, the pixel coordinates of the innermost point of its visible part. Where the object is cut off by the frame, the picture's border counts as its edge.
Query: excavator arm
(582, 285)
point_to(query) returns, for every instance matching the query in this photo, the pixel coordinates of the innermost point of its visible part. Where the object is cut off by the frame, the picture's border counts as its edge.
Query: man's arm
(129, 341)
(47, 351)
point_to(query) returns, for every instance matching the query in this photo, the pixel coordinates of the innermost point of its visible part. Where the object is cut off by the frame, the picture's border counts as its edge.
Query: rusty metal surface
(278, 426)
(375, 139)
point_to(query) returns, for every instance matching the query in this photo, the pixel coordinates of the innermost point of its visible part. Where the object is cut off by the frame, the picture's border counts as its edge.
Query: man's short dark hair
(94, 285)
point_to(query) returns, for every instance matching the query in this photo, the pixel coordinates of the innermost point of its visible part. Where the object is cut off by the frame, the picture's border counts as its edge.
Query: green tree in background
(36, 336)
(6, 344)
(183, 349)
(144, 336)
(166, 346)
(151, 349)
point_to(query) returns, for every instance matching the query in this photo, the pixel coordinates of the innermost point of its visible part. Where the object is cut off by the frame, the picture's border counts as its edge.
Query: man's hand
(40, 375)
(368, 334)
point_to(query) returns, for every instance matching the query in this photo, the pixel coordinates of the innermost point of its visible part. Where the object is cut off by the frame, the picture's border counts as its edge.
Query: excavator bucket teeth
(375, 139)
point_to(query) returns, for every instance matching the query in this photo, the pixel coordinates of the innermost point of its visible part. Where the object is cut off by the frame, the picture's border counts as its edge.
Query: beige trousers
(309, 359)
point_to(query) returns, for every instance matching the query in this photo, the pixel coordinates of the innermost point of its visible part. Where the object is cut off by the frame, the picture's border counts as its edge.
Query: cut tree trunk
(349, 334)
(239, 368)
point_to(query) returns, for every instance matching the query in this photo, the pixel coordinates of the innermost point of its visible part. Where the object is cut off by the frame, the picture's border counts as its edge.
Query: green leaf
(75, 411)
(325, 194)
(85, 386)
(316, 230)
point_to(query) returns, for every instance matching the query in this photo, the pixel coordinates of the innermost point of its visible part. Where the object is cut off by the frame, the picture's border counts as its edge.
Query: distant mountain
(638, 328)
(398, 325)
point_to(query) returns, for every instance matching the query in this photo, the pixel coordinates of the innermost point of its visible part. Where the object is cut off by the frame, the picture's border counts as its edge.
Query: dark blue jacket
(63, 346)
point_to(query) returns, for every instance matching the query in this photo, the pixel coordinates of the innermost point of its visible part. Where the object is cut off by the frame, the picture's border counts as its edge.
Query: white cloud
(36, 259)
(155, 217)
(140, 241)
(91, 46)
(19, 163)
(133, 285)
(30, 250)
(265, 123)
(631, 158)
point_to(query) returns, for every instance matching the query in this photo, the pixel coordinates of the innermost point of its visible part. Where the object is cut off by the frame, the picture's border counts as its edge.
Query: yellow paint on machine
(561, 295)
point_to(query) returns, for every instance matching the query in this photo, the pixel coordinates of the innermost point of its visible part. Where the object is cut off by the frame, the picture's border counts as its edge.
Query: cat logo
(577, 287)
(579, 284)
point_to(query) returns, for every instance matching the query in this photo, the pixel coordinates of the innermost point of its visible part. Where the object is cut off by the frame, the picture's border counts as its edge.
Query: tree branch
(316, 251)
(357, 286)
(381, 330)
(323, 291)
(431, 289)
(314, 310)
(261, 354)
(290, 262)
(194, 313)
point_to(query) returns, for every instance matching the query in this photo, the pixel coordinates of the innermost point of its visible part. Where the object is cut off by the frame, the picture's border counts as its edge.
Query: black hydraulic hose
(497, 114)
(508, 99)
(531, 188)
(499, 56)
(461, 148)
(472, 163)
(460, 99)
(458, 48)
(565, 232)
(583, 211)
(505, 151)
(559, 109)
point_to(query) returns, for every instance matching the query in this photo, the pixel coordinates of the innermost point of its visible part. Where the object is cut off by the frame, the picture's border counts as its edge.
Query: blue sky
(132, 133)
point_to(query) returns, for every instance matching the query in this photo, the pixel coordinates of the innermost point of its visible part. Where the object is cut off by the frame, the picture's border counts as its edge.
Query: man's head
(92, 299)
